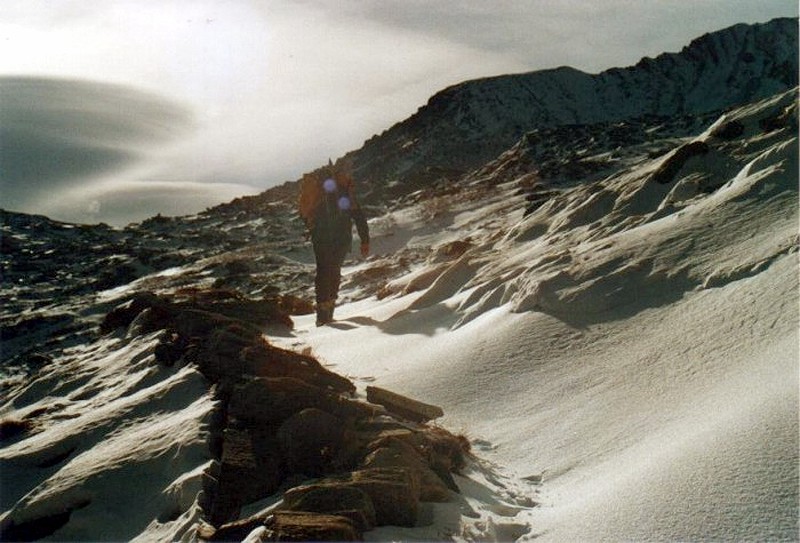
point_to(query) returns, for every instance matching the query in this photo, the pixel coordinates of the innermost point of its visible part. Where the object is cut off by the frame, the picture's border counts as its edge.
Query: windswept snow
(632, 345)
(618, 338)
(119, 449)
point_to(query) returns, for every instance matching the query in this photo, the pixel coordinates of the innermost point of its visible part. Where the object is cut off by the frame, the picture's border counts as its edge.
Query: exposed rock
(302, 526)
(729, 131)
(123, 315)
(219, 359)
(38, 360)
(294, 305)
(425, 279)
(40, 527)
(235, 531)
(196, 312)
(395, 453)
(151, 319)
(393, 492)
(264, 360)
(310, 440)
(11, 428)
(445, 451)
(666, 173)
(403, 406)
(266, 400)
(441, 450)
(335, 499)
(452, 250)
(246, 475)
(283, 415)
(170, 348)
(234, 305)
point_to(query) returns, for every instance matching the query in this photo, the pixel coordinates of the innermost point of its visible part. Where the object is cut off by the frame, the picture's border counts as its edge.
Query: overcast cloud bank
(272, 89)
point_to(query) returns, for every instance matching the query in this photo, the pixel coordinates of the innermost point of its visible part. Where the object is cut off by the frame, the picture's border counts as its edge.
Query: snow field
(634, 346)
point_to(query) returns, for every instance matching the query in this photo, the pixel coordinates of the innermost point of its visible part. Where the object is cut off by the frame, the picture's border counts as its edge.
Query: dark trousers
(330, 258)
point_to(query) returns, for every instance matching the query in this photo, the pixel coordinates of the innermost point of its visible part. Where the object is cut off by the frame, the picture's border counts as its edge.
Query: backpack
(325, 204)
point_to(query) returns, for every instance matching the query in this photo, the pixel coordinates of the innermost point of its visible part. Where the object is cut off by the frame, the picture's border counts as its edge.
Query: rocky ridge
(469, 124)
(284, 426)
(50, 268)
(465, 125)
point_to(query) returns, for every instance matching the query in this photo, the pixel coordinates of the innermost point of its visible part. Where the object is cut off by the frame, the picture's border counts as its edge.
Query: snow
(641, 361)
(624, 360)
(115, 427)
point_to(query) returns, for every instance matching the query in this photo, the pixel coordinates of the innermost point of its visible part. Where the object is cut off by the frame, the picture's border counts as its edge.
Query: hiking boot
(325, 312)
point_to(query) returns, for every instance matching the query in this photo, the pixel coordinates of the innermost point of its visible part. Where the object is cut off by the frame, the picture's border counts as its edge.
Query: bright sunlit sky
(256, 92)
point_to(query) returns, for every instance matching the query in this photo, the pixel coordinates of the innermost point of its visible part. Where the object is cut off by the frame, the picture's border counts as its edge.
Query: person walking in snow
(329, 208)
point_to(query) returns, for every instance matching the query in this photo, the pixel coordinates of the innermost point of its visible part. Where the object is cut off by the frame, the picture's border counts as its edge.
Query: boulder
(264, 360)
(452, 250)
(293, 305)
(235, 531)
(403, 406)
(395, 453)
(393, 492)
(220, 359)
(168, 351)
(246, 474)
(336, 499)
(310, 440)
(441, 450)
(124, 314)
(302, 526)
(234, 305)
(11, 428)
(218, 368)
(197, 322)
(265, 400)
(231, 339)
(669, 168)
(151, 319)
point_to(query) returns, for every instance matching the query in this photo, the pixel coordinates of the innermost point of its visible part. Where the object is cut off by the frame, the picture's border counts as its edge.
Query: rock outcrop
(284, 418)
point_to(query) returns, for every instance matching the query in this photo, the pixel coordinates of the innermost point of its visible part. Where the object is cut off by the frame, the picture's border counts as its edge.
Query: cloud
(57, 134)
(329, 81)
(121, 202)
(275, 88)
(588, 35)
(85, 151)
(248, 94)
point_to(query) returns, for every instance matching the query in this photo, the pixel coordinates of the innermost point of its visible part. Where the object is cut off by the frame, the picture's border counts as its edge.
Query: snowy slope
(120, 447)
(632, 344)
(609, 311)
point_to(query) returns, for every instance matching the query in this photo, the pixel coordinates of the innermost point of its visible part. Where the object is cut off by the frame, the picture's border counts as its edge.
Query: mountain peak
(466, 124)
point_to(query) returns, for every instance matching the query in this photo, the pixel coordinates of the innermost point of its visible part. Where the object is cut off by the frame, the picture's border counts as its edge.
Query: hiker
(329, 208)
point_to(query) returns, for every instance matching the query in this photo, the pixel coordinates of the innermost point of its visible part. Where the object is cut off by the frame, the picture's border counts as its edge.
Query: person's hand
(364, 249)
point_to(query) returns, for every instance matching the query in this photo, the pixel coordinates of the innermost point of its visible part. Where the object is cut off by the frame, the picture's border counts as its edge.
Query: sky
(115, 110)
